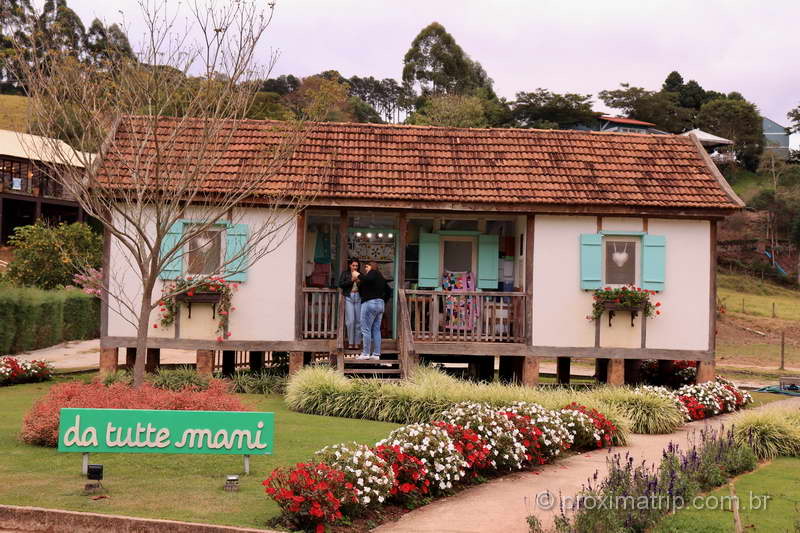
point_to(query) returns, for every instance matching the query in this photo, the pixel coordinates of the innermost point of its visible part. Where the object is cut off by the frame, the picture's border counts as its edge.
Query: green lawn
(178, 487)
(763, 398)
(758, 297)
(778, 480)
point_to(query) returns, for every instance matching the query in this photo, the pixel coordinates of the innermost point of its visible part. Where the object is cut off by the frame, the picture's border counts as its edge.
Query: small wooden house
(494, 239)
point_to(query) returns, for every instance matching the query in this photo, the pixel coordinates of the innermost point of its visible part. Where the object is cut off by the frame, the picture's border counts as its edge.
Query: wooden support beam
(228, 362)
(205, 362)
(511, 369)
(153, 360)
(616, 372)
(296, 360)
(530, 371)
(712, 289)
(563, 370)
(706, 371)
(108, 360)
(530, 227)
(256, 361)
(299, 276)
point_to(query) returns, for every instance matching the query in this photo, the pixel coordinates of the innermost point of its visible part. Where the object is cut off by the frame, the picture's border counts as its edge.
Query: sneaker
(363, 357)
(374, 357)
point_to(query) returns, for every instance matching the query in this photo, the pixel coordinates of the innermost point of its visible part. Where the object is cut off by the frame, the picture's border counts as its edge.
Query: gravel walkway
(504, 503)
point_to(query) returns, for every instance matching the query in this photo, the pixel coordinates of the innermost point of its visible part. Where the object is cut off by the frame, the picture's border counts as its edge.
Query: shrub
(770, 434)
(499, 433)
(118, 376)
(605, 428)
(411, 480)
(33, 318)
(556, 435)
(648, 412)
(468, 443)
(40, 426)
(264, 382)
(432, 446)
(178, 379)
(13, 371)
(371, 476)
(312, 495)
(48, 257)
(584, 433)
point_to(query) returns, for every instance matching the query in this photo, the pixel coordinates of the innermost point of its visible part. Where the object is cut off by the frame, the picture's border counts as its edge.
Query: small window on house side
(204, 252)
(458, 255)
(620, 261)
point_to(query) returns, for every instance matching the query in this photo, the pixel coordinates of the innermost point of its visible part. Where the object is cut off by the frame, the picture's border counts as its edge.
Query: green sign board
(150, 431)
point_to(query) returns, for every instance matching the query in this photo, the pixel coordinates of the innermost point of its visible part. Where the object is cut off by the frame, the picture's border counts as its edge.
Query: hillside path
(505, 503)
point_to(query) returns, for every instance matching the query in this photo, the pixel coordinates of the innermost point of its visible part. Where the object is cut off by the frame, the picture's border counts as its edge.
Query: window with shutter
(173, 268)
(429, 267)
(591, 261)
(654, 258)
(488, 261)
(236, 259)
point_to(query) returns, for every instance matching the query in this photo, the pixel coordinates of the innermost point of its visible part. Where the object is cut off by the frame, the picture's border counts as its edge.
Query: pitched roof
(36, 148)
(623, 120)
(433, 164)
(707, 139)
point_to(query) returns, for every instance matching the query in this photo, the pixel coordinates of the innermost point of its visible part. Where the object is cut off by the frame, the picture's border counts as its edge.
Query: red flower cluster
(13, 371)
(409, 473)
(531, 437)
(740, 401)
(604, 426)
(471, 447)
(311, 494)
(681, 365)
(40, 426)
(696, 410)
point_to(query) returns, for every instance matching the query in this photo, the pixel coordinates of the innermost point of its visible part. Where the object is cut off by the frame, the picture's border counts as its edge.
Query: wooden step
(370, 361)
(372, 371)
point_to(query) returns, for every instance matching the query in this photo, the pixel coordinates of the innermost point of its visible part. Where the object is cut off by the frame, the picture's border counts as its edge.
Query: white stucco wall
(560, 306)
(264, 304)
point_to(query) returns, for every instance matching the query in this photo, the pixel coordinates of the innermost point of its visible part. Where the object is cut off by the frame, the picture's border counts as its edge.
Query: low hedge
(34, 318)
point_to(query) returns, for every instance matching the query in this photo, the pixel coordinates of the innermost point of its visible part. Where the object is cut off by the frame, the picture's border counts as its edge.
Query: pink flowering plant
(626, 297)
(90, 281)
(168, 305)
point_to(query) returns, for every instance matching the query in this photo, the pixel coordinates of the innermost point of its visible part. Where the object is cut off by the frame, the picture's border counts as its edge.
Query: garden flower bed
(466, 443)
(14, 371)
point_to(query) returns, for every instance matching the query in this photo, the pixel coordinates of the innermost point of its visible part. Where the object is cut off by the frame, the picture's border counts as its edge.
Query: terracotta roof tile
(371, 161)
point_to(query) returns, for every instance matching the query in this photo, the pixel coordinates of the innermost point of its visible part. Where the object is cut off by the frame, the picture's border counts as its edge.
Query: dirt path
(86, 354)
(504, 504)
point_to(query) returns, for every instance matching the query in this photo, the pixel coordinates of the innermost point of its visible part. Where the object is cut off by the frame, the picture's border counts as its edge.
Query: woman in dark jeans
(348, 282)
(372, 287)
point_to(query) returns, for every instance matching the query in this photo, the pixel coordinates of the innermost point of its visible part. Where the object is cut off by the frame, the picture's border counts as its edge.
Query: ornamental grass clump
(663, 392)
(648, 412)
(771, 433)
(371, 475)
(498, 432)
(434, 447)
(555, 434)
(310, 495)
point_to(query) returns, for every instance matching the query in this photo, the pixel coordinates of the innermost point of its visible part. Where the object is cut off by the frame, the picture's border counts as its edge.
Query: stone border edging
(20, 518)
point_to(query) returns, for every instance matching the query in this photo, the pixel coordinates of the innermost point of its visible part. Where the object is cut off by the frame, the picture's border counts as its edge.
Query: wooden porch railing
(322, 310)
(466, 316)
(407, 353)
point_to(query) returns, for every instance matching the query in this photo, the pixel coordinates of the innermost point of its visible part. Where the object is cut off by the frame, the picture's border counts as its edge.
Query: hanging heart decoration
(619, 258)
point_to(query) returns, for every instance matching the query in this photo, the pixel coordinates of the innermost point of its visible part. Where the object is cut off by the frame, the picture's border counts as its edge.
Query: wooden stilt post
(706, 371)
(205, 362)
(295, 362)
(616, 371)
(108, 360)
(130, 358)
(256, 361)
(601, 370)
(153, 360)
(562, 370)
(530, 371)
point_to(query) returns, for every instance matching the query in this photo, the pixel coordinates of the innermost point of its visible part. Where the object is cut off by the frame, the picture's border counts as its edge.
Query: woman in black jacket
(349, 282)
(372, 287)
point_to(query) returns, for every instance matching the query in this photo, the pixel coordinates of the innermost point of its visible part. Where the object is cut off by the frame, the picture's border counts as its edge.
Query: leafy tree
(543, 108)
(794, 117)
(451, 110)
(673, 82)
(282, 85)
(662, 108)
(107, 43)
(436, 64)
(268, 106)
(738, 120)
(49, 256)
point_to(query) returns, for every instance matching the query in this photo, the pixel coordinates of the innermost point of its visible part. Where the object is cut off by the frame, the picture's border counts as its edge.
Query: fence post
(742, 305)
(783, 348)
(773, 309)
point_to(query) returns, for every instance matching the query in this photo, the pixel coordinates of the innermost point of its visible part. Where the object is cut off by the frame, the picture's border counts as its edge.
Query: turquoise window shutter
(236, 241)
(591, 261)
(488, 263)
(430, 271)
(654, 262)
(174, 267)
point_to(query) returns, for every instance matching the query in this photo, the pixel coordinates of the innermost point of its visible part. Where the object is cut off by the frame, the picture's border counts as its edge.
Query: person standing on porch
(349, 282)
(372, 287)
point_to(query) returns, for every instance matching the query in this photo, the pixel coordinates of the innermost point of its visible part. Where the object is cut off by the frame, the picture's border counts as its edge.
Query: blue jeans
(352, 318)
(371, 315)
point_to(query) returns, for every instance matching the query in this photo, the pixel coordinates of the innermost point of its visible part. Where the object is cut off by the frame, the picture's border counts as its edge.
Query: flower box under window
(613, 308)
(212, 298)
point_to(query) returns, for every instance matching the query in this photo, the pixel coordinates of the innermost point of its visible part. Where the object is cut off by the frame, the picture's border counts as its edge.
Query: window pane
(458, 256)
(204, 253)
(620, 262)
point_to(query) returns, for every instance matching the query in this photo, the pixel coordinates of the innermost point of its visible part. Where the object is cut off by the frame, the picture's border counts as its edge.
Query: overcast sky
(582, 46)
